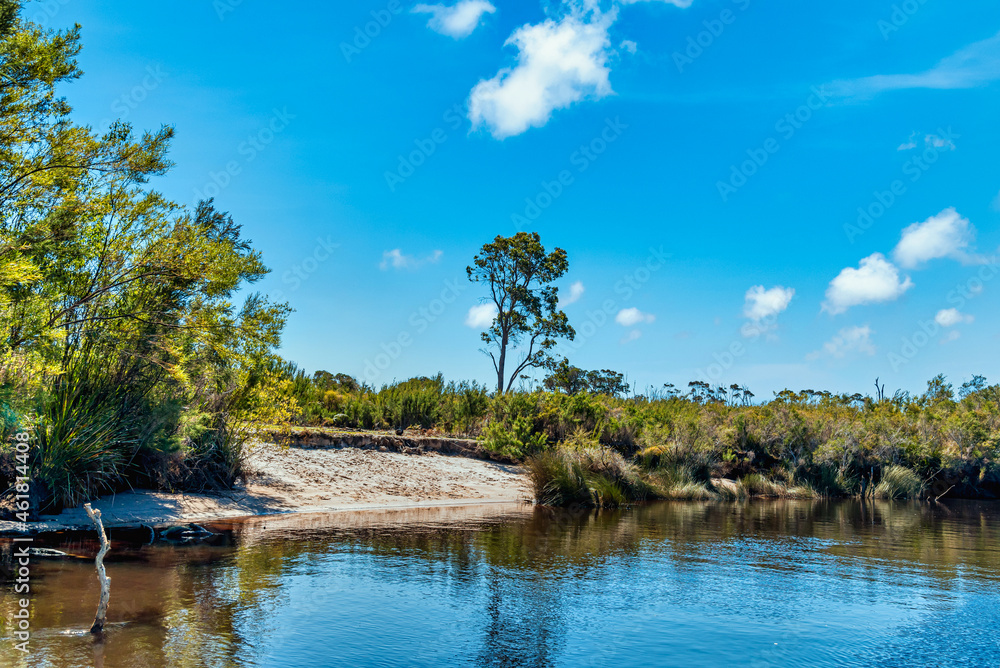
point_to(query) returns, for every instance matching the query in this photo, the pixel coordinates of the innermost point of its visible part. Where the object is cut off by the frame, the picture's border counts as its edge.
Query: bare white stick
(102, 607)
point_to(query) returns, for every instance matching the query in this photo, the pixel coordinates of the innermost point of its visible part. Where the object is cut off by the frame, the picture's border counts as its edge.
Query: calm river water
(671, 584)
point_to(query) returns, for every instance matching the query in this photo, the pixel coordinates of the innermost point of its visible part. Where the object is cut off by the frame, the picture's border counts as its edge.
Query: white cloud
(395, 259)
(931, 140)
(631, 336)
(481, 316)
(628, 45)
(848, 341)
(950, 317)
(876, 280)
(761, 303)
(975, 65)
(945, 235)
(459, 20)
(575, 292)
(762, 306)
(559, 62)
(630, 317)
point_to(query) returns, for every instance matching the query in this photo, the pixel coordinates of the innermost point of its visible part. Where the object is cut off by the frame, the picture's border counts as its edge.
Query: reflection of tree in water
(525, 622)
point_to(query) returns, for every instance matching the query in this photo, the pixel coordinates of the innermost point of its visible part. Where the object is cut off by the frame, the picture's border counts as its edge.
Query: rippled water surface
(670, 584)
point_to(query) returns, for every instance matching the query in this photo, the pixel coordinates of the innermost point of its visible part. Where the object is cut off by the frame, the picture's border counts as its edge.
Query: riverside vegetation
(584, 447)
(126, 356)
(122, 351)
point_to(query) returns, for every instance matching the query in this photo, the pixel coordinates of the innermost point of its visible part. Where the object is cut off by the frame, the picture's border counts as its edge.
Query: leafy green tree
(572, 380)
(564, 377)
(115, 301)
(519, 274)
(607, 382)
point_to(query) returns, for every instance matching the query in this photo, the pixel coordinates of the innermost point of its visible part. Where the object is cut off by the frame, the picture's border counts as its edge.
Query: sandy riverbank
(315, 480)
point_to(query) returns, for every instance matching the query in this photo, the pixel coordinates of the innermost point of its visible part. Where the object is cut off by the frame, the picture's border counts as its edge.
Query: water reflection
(766, 583)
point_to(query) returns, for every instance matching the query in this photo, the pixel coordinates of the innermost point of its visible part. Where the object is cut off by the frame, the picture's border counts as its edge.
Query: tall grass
(83, 445)
(898, 482)
(592, 476)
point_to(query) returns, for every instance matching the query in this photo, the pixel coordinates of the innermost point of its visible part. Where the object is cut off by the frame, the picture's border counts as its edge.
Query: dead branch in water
(102, 576)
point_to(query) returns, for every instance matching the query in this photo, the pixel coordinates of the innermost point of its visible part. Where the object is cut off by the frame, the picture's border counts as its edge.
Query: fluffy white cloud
(762, 306)
(559, 62)
(395, 259)
(481, 316)
(761, 303)
(459, 20)
(950, 317)
(575, 292)
(875, 280)
(975, 65)
(630, 317)
(848, 341)
(628, 45)
(945, 235)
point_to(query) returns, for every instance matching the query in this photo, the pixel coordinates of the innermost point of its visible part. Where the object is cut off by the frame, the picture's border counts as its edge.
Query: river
(765, 583)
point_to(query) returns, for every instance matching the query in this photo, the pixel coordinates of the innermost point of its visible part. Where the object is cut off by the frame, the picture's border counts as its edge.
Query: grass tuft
(898, 482)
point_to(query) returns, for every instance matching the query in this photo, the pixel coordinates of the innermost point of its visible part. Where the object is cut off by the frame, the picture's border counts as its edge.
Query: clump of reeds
(587, 474)
(898, 482)
(758, 485)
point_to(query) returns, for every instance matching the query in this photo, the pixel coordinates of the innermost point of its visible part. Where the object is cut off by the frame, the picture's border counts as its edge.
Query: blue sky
(706, 167)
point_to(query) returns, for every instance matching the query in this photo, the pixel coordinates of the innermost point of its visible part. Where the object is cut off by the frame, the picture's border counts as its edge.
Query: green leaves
(519, 274)
(98, 269)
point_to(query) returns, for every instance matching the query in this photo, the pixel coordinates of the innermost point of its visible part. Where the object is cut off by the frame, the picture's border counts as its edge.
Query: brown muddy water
(789, 583)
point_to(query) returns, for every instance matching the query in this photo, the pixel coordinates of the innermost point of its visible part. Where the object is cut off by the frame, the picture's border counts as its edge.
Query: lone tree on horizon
(520, 276)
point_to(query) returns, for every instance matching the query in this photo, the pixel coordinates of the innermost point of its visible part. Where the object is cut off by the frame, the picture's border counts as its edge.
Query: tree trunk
(500, 366)
(102, 576)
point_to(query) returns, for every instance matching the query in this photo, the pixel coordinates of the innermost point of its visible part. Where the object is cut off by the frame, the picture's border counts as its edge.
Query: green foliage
(519, 275)
(571, 380)
(122, 343)
(808, 443)
(82, 443)
(514, 439)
